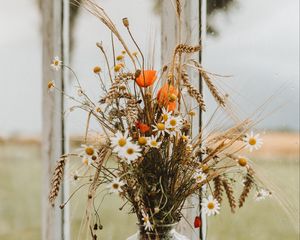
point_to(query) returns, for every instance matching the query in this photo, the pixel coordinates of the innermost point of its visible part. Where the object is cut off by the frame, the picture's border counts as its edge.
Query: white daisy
(115, 186)
(119, 141)
(152, 142)
(87, 150)
(147, 224)
(56, 63)
(210, 206)
(174, 122)
(165, 115)
(253, 141)
(262, 194)
(199, 176)
(160, 128)
(130, 152)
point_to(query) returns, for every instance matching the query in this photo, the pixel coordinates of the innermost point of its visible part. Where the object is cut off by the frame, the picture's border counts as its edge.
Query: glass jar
(161, 232)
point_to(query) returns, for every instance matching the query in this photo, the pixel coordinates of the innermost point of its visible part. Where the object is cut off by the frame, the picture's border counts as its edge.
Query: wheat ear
(229, 193)
(57, 179)
(212, 88)
(184, 48)
(247, 187)
(193, 92)
(218, 191)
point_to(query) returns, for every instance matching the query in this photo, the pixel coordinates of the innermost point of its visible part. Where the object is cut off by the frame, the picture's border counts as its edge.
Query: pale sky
(258, 45)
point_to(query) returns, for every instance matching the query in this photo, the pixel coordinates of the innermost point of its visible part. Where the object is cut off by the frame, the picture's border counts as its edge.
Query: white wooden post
(191, 34)
(55, 17)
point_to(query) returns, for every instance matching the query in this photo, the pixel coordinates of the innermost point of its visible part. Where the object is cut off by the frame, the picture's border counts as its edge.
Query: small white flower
(130, 152)
(165, 115)
(116, 186)
(88, 154)
(87, 150)
(160, 128)
(253, 141)
(199, 176)
(210, 206)
(262, 194)
(147, 224)
(56, 63)
(152, 142)
(119, 141)
(174, 122)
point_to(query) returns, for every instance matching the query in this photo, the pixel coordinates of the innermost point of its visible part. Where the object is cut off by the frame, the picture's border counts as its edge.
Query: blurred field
(20, 185)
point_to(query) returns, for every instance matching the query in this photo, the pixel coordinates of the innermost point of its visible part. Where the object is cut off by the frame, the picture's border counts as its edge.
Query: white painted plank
(53, 137)
(190, 35)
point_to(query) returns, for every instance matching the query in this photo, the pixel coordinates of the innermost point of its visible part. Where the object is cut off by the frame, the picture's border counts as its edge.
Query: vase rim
(161, 225)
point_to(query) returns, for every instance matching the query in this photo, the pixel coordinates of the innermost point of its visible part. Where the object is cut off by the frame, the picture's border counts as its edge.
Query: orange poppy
(148, 80)
(167, 96)
(143, 127)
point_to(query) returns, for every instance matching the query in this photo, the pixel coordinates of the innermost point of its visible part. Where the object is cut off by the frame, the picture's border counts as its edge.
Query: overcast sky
(258, 45)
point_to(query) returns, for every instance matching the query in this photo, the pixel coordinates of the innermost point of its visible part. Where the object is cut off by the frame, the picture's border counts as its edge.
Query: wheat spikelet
(193, 92)
(184, 48)
(218, 191)
(212, 88)
(132, 110)
(247, 187)
(178, 8)
(229, 193)
(56, 180)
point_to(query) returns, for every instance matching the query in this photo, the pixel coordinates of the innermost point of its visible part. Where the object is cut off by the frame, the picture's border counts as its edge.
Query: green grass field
(20, 213)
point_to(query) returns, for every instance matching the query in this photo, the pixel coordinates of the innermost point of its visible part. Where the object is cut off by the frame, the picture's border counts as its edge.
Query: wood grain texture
(53, 138)
(190, 16)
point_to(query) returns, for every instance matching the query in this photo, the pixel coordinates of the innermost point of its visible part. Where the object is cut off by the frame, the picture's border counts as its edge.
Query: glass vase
(161, 232)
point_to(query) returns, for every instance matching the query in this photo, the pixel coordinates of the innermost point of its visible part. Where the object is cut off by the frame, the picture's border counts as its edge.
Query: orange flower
(148, 80)
(143, 127)
(167, 96)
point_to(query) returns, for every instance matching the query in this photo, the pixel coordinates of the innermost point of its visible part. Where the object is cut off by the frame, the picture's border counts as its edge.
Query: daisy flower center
(115, 186)
(165, 117)
(122, 142)
(142, 140)
(153, 143)
(50, 85)
(160, 126)
(89, 151)
(242, 161)
(252, 141)
(173, 122)
(56, 62)
(210, 205)
(130, 151)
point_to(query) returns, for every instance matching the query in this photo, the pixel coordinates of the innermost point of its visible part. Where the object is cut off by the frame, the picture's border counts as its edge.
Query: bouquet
(147, 117)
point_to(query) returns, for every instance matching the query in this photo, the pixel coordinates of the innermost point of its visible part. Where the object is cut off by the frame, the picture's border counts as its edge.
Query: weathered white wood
(54, 220)
(190, 34)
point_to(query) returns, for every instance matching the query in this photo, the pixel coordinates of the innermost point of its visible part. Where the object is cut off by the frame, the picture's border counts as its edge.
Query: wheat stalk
(56, 180)
(229, 193)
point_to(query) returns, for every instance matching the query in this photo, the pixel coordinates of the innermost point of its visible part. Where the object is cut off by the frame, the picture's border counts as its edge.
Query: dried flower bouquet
(160, 159)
